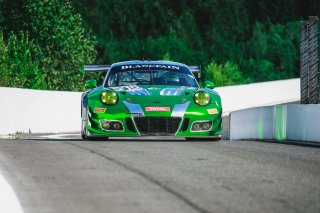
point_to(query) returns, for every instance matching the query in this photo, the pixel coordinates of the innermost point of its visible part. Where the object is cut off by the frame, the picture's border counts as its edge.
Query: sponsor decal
(161, 66)
(133, 90)
(134, 115)
(213, 111)
(157, 109)
(153, 88)
(100, 110)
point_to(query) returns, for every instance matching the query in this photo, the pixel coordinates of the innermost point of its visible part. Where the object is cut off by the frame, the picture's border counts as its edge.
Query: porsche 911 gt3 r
(158, 98)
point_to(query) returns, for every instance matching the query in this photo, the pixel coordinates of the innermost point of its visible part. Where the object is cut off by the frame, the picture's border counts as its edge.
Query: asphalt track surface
(151, 175)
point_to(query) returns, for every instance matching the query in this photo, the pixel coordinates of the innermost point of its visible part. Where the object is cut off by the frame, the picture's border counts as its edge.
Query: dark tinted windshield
(150, 76)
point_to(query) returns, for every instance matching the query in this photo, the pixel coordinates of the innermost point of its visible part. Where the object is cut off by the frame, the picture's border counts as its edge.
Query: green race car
(150, 98)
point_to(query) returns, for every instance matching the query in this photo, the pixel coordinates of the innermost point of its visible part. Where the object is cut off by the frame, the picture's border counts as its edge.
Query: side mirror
(90, 84)
(209, 84)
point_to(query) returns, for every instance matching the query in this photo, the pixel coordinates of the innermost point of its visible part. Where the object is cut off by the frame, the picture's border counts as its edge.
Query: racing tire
(85, 136)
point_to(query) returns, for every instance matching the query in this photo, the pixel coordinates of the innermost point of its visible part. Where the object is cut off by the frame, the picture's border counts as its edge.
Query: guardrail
(281, 122)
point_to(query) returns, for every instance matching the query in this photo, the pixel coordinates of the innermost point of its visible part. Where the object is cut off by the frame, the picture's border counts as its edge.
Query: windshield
(182, 77)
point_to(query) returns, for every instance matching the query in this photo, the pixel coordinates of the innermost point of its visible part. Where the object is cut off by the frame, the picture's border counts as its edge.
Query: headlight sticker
(202, 98)
(213, 111)
(109, 98)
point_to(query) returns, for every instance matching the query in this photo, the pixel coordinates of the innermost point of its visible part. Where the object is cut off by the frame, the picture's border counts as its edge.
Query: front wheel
(85, 136)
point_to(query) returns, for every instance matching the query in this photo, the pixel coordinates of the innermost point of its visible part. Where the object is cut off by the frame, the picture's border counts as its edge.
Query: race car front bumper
(128, 125)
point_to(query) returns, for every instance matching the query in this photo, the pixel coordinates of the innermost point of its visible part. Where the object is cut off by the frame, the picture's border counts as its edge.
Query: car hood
(156, 95)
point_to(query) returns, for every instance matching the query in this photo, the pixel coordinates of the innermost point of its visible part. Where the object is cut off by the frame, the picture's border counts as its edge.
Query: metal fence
(309, 61)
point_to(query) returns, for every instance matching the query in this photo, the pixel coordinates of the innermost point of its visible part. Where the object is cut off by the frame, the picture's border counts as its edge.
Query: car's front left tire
(84, 135)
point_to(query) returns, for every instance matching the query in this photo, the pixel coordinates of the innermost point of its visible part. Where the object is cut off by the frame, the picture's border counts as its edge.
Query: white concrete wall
(38, 110)
(281, 122)
(259, 94)
(253, 123)
(55, 112)
(303, 122)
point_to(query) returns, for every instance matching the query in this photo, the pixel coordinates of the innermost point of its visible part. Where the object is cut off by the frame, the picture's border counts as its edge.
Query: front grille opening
(157, 125)
(185, 124)
(130, 125)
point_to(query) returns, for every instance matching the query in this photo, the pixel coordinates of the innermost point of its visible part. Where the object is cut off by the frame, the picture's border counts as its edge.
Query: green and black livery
(150, 98)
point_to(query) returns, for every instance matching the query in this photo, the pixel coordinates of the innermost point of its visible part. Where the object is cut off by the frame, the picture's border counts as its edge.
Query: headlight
(202, 98)
(109, 98)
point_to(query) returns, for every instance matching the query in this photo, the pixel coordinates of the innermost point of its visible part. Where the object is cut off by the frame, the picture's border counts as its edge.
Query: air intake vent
(157, 125)
(185, 124)
(130, 125)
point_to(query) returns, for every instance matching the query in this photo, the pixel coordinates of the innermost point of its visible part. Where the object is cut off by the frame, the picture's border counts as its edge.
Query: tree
(60, 43)
(224, 74)
(64, 44)
(18, 68)
(272, 52)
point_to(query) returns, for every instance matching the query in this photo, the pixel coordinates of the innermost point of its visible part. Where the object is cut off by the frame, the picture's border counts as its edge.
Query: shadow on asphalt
(123, 140)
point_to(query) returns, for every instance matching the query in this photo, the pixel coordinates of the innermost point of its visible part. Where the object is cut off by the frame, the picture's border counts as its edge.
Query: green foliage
(4, 69)
(224, 74)
(152, 49)
(244, 32)
(65, 46)
(273, 52)
(173, 46)
(18, 68)
(257, 40)
(60, 44)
